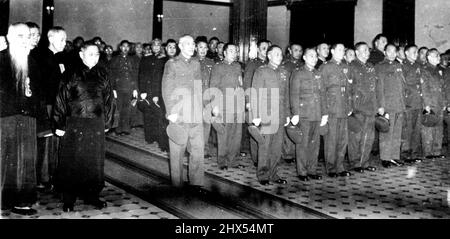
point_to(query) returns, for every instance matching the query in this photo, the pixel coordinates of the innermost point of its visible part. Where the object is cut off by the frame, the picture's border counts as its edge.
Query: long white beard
(19, 62)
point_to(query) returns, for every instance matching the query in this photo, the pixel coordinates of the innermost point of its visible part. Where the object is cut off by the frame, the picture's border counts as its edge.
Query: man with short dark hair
(323, 51)
(226, 77)
(378, 45)
(422, 60)
(171, 48)
(212, 48)
(411, 147)
(19, 99)
(391, 97)
(270, 83)
(83, 114)
(336, 110)
(364, 103)
(433, 100)
(123, 74)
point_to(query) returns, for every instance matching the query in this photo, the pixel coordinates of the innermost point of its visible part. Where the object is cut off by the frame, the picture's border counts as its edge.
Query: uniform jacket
(268, 77)
(432, 84)
(13, 101)
(123, 73)
(292, 64)
(250, 69)
(376, 56)
(364, 80)
(391, 89)
(307, 94)
(206, 65)
(151, 69)
(182, 74)
(85, 93)
(447, 85)
(228, 76)
(412, 72)
(336, 83)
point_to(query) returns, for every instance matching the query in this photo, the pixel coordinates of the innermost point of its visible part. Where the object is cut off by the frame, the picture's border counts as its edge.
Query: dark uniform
(268, 77)
(391, 96)
(337, 107)
(306, 97)
(433, 96)
(228, 77)
(319, 63)
(376, 56)
(411, 146)
(151, 69)
(288, 149)
(206, 65)
(182, 76)
(250, 69)
(364, 103)
(123, 73)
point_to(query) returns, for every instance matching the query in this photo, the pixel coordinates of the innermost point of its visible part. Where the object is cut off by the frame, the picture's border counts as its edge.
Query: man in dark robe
(151, 71)
(19, 99)
(82, 112)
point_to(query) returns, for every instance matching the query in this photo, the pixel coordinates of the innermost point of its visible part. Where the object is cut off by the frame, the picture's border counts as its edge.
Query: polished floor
(121, 205)
(420, 191)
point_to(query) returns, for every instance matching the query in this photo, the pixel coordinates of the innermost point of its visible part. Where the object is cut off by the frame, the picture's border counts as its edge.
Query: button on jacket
(363, 78)
(412, 72)
(391, 86)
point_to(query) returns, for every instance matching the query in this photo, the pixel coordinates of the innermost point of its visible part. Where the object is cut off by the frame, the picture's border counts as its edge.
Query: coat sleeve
(168, 86)
(110, 72)
(258, 82)
(426, 89)
(61, 107)
(294, 92)
(325, 82)
(380, 88)
(141, 77)
(286, 98)
(108, 102)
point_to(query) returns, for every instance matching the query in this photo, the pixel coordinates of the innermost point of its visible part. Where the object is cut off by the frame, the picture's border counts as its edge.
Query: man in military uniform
(423, 56)
(273, 79)
(411, 148)
(212, 48)
(391, 97)
(250, 69)
(433, 100)
(377, 53)
(306, 96)
(151, 69)
(206, 65)
(171, 48)
(323, 51)
(226, 76)
(364, 103)
(123, 73)
(292, 63)
(336, 110)
(349, 55)
(182, 79)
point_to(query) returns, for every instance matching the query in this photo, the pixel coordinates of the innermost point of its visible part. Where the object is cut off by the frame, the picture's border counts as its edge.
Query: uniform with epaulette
(288, 149)
(274, 80)
(364, 103)
(206, 65)
(182, 93)
(227, 77)
(411, 146)
(391, 97)
(337, 107)
(306, 100)
(433, 96)
(250, 69)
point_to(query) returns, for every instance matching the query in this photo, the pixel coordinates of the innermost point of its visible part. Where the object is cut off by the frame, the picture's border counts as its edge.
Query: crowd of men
(59, 98)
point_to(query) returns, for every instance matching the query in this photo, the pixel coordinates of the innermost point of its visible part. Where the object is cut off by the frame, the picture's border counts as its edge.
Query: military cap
(294, 133)
(382, 123)
(177, 134)
(429, 119)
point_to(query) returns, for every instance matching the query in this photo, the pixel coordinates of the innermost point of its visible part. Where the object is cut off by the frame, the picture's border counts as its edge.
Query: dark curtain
(4, 17)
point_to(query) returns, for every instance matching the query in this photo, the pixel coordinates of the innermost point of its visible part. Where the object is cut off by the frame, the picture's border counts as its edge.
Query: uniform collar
(336, 62)
(409, 62)
(273, 67)
(308, 69)
(184, 59)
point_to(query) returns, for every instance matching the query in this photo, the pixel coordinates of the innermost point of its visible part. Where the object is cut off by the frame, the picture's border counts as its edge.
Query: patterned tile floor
(121, 205)
(414, 191)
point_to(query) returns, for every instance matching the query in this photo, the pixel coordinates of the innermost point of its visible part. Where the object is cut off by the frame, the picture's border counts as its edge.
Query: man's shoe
(26, 211)
(197, 189)
(387, 163)
(264, 182)
(303, 178)
(333, 175)
(358, 170)
(314, 176)
(371, 169)
(207, 156)
(440, 156)
(224, 167)
(281, 181)
(397, 162)
(99, 204)
(68, 207)
(344, 174)
(429, 157)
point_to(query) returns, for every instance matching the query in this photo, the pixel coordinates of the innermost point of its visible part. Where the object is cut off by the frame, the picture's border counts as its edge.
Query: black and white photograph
(225, 109)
